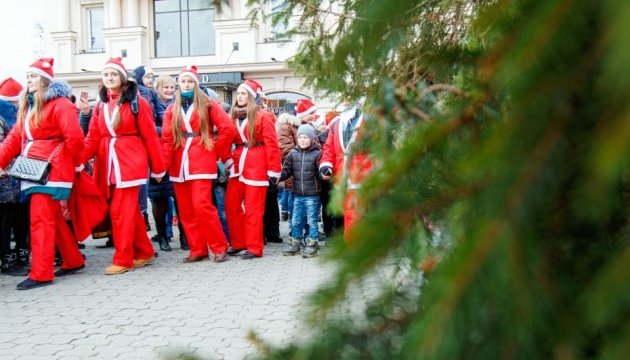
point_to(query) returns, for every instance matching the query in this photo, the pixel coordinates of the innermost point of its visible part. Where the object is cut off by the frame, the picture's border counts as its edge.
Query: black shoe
(32, 284)
(9, 265)
(81, 246)
(275, 239)
(58, 261)
(234, 252)
(155, 238)
(64, 272)
(248, 256)
(23, 256)
(108, 244)
(164, 245)
(183, 243)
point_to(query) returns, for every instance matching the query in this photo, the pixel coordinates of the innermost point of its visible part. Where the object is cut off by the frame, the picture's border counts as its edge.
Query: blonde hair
(200, 102)
(38, 105)
(252, 109)
(163, 80)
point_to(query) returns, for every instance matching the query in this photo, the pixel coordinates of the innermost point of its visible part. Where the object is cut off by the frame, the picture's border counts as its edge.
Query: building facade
(169, 34)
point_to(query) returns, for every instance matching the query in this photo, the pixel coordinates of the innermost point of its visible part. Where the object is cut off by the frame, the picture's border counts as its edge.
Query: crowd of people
(68, 167)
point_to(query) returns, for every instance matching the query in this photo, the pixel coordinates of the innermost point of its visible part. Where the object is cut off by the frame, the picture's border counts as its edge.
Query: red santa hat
(190, 70)
(116, 63)
(252, 87)
(304, 107)
(43, 67)
(10, 89)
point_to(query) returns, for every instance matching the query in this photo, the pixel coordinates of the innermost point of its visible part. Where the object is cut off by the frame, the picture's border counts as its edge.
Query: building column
(113, 13)
(132, 13)
(64, 39)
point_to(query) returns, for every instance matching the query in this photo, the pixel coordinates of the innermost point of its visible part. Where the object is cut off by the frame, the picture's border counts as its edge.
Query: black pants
(14, 218)
(330, 221)
(158, 208)
(271, 220)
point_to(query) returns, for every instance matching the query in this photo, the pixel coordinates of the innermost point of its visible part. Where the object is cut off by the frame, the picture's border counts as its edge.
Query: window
(95, 38)
(280, 102)
(277, 30)
(184, 27)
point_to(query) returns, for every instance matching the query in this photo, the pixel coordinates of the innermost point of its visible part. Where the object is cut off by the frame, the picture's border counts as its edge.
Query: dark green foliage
(506, 125)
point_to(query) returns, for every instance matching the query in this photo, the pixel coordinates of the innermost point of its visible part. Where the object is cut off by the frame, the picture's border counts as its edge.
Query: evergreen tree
(499, 211)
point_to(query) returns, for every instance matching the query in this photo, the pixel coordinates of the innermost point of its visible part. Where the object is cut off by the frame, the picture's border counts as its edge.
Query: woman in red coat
(190, 155)
(256, 163)
(125, 142)
(47, 128)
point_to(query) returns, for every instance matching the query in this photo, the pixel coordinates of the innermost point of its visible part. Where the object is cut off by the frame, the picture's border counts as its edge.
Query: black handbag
(33, 170)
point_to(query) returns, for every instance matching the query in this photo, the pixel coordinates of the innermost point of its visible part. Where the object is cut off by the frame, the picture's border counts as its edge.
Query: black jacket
(303, 165)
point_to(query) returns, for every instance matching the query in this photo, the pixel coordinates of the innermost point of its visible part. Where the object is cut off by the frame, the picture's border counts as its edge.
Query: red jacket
(257, 162)
(335, 153)
(193, 161)
(123, 155)
(58, 132)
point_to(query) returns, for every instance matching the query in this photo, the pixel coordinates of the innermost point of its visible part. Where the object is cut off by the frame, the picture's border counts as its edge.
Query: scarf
(241, 112)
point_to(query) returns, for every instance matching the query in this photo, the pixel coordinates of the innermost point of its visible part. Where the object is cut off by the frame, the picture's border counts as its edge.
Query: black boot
(11, 266)
(164, 245)
(23, 256)
(183, 242)
(6, 263)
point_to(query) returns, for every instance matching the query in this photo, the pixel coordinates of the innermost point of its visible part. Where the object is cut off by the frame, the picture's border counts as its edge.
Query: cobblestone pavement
(167, 308)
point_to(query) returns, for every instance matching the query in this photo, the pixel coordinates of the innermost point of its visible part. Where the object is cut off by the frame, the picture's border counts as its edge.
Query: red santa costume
(192, 164)
(47, 132)
(351, 169)
(124, 147)
(256, 161)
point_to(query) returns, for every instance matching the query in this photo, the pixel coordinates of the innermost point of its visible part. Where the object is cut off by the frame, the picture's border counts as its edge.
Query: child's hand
(326, 172)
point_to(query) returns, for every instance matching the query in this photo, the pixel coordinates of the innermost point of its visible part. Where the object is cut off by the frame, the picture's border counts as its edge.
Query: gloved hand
(326, 171)
(273, 181)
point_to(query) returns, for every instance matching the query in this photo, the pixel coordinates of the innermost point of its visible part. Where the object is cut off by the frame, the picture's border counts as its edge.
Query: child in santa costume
(124, 142)
(256, 164)
(346, 166)
(47, 127)
(191, 154)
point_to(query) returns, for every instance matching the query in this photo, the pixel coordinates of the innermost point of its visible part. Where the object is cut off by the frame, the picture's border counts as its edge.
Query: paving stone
(166, 308)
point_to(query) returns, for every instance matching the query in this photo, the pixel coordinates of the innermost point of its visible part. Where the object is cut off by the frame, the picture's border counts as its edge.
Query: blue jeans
(305, 211)
(219, 197)
(286, 202)
(170, 211)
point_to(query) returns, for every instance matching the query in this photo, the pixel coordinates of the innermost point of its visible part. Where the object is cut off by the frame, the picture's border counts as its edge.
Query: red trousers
(49, 228)
(200, 217)
(244, 209)
(128, 228)
(351, 208)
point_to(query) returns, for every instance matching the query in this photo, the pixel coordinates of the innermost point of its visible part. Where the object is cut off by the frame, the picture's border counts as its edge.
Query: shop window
(184, 27)
(281, 102)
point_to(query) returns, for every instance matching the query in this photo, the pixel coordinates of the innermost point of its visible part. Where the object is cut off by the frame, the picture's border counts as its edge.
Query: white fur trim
(202, 177)
(253, 182)
(158, 176)
(249, 89)
(10, 98)
(189, 73)
(325, 164)
(79, 168)
(117, 67)
(51, 184)
(228, 164)
(273, 174)
(131, 183)
(40, 72)
(308, 111)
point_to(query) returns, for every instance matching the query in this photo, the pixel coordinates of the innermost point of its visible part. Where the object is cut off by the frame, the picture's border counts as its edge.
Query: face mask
(187, 94)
